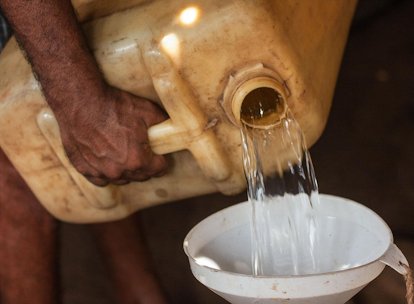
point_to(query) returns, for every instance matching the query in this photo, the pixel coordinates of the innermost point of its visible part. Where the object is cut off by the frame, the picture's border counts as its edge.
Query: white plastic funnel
(356, 245)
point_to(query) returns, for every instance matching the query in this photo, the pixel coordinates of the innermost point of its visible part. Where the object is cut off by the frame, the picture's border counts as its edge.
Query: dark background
(366, 153)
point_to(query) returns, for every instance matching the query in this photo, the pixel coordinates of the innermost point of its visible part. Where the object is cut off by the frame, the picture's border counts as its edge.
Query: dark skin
(104, 133)
(29, 248)
(103, 129)
(128, 262)
(28, 243)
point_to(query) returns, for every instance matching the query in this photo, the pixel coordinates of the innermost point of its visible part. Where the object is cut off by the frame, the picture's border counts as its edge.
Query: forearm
(103, 129)
(50, 35)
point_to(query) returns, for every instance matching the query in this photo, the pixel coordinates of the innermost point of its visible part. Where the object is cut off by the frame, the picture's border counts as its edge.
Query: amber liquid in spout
(262, 107)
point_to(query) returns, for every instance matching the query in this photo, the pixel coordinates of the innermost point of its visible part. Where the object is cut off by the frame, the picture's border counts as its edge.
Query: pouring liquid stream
(282, 190)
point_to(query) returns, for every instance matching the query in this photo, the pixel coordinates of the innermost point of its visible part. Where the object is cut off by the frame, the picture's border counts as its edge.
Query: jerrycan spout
(259, 103)
(256, 98)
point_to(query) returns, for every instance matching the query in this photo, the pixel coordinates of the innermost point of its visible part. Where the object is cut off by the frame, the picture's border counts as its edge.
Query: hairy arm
(103, 130)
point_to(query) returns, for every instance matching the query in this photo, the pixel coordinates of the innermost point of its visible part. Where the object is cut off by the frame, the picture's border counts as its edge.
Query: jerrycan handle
(187, 129)
(166, 137)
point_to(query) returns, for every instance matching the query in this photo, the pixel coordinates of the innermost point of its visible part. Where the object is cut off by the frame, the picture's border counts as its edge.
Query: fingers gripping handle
(98, 197)
(185, 130)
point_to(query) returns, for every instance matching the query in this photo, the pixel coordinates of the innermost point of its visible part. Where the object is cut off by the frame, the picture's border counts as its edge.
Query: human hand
(107, 141)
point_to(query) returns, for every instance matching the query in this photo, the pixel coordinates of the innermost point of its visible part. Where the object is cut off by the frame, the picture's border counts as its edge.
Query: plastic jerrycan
(198, 60)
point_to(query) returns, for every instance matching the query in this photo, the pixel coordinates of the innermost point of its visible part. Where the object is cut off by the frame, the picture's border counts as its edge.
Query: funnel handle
(395, 259)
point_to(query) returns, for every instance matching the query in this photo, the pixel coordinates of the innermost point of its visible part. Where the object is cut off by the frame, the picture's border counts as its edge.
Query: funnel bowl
(353, 239)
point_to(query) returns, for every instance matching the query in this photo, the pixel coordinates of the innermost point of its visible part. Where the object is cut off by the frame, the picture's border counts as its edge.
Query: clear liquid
(281, 180)
(230, 250)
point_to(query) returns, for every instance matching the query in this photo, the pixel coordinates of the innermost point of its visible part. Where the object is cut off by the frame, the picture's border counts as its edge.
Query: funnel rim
(328, 196)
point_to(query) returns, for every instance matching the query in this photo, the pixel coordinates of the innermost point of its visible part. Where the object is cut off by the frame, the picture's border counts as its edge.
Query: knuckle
(83, 170)
(113, 173)
(141, 178)
(98, 181)
(159, 164)
(139, 164)
(121, 182)
(142, 158)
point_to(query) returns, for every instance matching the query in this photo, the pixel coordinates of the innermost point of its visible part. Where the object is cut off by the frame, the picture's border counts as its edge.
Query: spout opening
(259, 103)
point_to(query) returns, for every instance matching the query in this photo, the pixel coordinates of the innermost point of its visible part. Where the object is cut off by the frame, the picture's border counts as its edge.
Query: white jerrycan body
(197, 60)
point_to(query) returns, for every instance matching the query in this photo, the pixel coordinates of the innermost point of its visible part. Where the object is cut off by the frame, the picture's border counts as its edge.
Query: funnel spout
(395, 259)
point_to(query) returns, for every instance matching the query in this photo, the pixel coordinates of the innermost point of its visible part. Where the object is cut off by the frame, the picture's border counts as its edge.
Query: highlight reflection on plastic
(189, 15)
(171, 44)
(205, 261)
